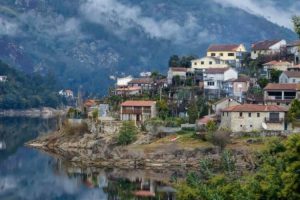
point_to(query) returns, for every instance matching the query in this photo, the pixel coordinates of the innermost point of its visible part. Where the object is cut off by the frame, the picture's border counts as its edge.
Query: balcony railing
(274, 120)
(132, 111)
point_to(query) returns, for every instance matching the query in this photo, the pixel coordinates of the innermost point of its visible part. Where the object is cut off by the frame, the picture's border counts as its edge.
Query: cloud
(266, 9)
(8, 27)
(120, 18)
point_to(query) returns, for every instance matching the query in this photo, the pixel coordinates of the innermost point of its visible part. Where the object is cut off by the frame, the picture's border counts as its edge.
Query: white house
(208, 62)
(214, 79)
(3, 78)
(123, 82)
(290, 77)
(66, 93)
(266, 47)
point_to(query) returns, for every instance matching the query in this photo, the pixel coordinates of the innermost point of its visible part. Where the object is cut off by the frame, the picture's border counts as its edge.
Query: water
(30, 174)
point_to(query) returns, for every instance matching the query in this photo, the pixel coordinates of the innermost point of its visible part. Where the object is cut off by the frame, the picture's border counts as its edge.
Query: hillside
(22, 91)
(82, 42)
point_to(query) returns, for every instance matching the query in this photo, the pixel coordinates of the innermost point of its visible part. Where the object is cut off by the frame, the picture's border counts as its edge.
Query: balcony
(274, 120)
(132, 111)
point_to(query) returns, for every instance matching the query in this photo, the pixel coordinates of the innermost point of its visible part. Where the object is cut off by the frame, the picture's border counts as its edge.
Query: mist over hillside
(83, 42)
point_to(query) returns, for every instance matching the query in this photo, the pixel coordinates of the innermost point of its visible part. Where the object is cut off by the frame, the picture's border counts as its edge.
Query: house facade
(232, 53)
(290, 77)
(281, 94)
(275, 65)
(252, 117)
(128, 91)
(208, 62)
(220, 105)
(138, 111)
(240, 86)
(181, 72)
(294, 48)
(123, 82)
(266, 47)
(215, 78)
(145, 83)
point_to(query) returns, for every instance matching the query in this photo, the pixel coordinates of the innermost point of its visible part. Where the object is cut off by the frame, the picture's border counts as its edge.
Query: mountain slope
(84, 41)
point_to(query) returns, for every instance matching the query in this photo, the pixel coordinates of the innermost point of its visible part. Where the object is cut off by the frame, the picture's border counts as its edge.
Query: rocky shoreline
(44, 112)
(100, 150)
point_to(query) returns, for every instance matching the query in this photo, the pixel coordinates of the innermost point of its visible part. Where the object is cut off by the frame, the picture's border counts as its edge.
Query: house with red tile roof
(290, 77)
(138, 111)
(281, 94)
(232, 53)
(145, 83)
(276, 65)
(266, 47)
(253, 117)
(294, 48)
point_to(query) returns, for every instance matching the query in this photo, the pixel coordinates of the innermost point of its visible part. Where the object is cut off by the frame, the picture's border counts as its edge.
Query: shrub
(127, 133)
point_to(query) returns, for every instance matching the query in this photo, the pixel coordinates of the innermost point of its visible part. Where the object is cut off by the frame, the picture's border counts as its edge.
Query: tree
(163, 109)
(296, 22)
(193, 112)
(174, 61)
(128, 133)
(275, 75)
(294, 112)
(262, 82)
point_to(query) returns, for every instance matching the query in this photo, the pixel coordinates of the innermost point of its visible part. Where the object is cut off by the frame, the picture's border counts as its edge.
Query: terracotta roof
(282, 86)
(144, 193)
(294, 43)
(179, 69)
(295, 74)
(255, 108)
(216, 70)
(206, 119)
(278, 63)
(223, 47)
(145, 80)
(90, 103)
(264, 45)
(138, 103)
(129, 89)
(242, 79)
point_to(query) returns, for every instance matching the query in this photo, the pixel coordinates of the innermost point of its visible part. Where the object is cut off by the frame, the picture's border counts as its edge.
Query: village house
(275, 65)
(294, 68)
(180, 72)
(231, 53)
(267, 47)
(215, 78)
(66, 93)
(220, 105)
(3, 78)
(252, 117)
(138, 111)
(281, 94)
(123, 82)
(290, 77)
(145, 83)
(239, 87)
(294, 48)
(128, 91)
(208, 62)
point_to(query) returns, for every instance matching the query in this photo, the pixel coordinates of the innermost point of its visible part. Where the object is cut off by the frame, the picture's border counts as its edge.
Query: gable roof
(216, 70)
(144, 80)
(223, 47)
(255, 108)
(292, 74)
(283, 86)
(294, 43)
(278, 63)
(138, 103)
(178, 69)
(264, 45)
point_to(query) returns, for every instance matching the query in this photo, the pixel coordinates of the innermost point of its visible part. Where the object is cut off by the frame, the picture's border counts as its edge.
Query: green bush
(127, 133)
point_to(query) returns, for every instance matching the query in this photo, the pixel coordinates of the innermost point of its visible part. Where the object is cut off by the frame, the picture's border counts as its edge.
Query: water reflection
(29, 174)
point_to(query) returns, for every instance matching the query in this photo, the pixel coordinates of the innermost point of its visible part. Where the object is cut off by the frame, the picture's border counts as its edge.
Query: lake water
(30, 174)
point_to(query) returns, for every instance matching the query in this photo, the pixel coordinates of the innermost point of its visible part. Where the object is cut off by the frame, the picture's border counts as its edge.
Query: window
(250, 125)
(278, 104)
(241, 114)
(223, 113)
(241, 125)
(227, 114)
(249, 114)
(221, 54)
(294, 80)
(213, 54)
(258, 114)
(195, 63)
(210, 83)
(202, 62)
(210, 62)
(231, 54)
(254, 52)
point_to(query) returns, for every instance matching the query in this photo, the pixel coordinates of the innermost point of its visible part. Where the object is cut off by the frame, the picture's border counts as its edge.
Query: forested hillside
(22, 91)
